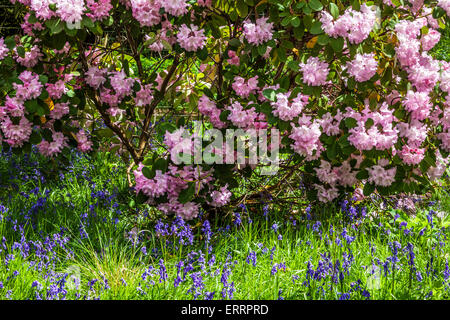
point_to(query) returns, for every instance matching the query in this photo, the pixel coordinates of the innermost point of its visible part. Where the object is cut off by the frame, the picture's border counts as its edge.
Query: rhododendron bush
(350, 87)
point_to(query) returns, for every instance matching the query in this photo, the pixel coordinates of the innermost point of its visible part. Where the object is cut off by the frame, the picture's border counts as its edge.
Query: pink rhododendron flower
(353, 25)
(242, 118)
(220, 197)
(234, 59)
(380, 176)
(95, 77)
(3, 49)
(57, 89)
(259, 32)
(84, 144)
(363, 66)
(146, 12)
(121, 84)
(209, 109)
(16, 134)
(41, 8)
(175, 7)
(287, 110)
(14, 107)
(70, 11)
(191, 38)
(31, 87)
(306, 138)
(418, 103)
(445, 4)
(330, 124)
(415, 132)
(244, 87)
(430, 39)
(144, 96)
(59, 110)
(49, 149)
(326, 195)
(152, 188)
(99, 9)
(412, 156)
(315, 72)
(31, 57)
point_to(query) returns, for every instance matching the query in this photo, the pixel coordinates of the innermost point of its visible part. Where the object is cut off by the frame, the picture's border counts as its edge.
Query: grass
(77, 234)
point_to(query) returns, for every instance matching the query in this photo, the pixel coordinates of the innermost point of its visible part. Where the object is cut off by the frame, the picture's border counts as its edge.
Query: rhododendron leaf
(295, 22)
(384, 191)
(141, 198)
(187, 194)
(355, 5)
(316, 5)
(105, 132)
(234, 43)
(148, 173)
(334, 10)
(323, 39)
(241, 8)
(362, 175)
(10, 43)
(350, 123)
(438, 12)
(369, 123)
(160, 164)
(35, 138)
(368, 189)
(316, 28)
(31, 106)
(337, 44)
(166, 126)
(55, 26)
(202, 54)
(21, 51)
(332, 151)
(299, 32)
(262, 49)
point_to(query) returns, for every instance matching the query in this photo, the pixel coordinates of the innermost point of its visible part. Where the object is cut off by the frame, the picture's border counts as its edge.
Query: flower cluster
(191, 38)
(288, 110)
(363, 66)
(259, 32)
(315, 72)
(353, 25)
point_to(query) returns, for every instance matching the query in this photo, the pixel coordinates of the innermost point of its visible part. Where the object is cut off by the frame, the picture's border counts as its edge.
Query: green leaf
(350, 123)
(234, 43)
(334, 10)
(368, 189)
(316, 5)
(148, 173)
(331, 152)
(187, 195)
(438, 12)
(363, 174)
(241, 8)
(21, 51)
(224, 115)
(31, 106)
(270, 94)
(160, 164)
(337, 44)
(316, 28)
(35, 138)
(295, 22)
(323, 39)
(10, 43)
(203, 53)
